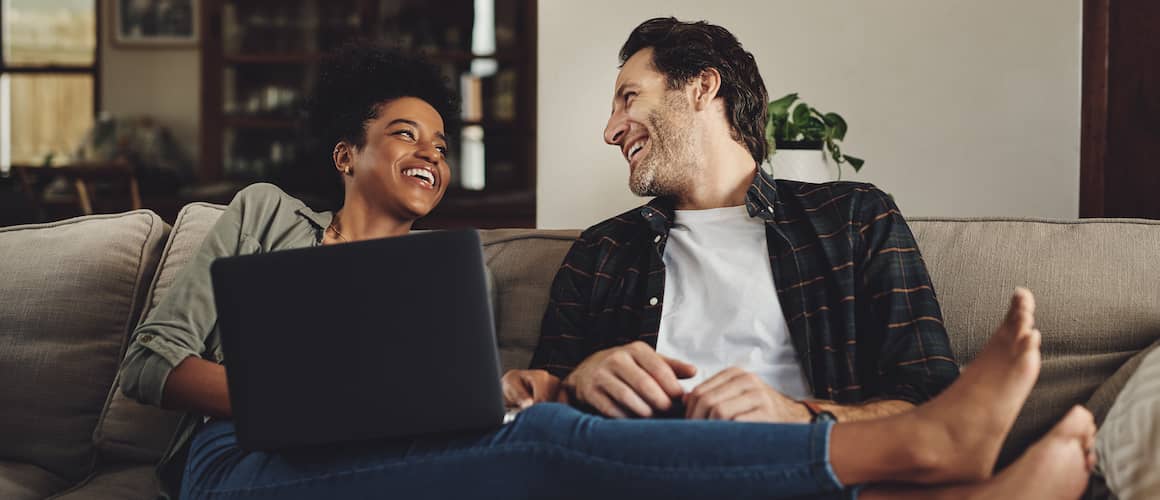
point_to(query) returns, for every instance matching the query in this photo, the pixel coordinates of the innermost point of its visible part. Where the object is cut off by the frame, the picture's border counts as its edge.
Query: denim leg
(549, 451)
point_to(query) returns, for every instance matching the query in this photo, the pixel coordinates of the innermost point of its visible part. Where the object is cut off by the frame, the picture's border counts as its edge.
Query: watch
(817, 413)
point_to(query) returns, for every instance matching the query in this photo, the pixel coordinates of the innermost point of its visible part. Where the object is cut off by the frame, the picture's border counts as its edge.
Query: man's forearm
(865, 411)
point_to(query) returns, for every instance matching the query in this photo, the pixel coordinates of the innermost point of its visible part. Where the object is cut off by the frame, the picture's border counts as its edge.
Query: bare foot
(1055, 468)
(957, 435)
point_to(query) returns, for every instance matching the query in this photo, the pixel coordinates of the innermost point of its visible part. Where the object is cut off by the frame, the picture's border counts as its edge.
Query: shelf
(272, 58)
(293, 58)
(241, 121)
(259, 122)
(490, 124)
(241, 62)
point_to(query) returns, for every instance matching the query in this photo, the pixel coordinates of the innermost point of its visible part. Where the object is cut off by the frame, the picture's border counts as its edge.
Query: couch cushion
(28, 482)
(1095, 283)
(1101, 401)
(131, 431)
(116, 482)
(1128, 443)
(72, 292)
(524, 262)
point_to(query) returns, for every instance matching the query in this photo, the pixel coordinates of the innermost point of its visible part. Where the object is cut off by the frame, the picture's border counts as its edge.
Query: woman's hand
(523, 388)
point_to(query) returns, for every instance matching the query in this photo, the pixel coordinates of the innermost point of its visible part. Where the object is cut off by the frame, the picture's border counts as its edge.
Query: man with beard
(732, 295)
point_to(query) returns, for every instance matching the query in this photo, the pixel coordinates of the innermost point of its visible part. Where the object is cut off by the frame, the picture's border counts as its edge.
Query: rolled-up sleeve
(915, 362)
(178, 327)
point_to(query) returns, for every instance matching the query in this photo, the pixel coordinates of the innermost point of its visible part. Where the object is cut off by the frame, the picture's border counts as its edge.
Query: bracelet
(813, 408)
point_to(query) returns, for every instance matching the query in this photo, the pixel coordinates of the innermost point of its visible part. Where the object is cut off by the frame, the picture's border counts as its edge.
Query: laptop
(374, 339)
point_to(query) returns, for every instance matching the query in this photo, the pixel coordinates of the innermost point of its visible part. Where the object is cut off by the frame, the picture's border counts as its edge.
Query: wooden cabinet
(259, 59)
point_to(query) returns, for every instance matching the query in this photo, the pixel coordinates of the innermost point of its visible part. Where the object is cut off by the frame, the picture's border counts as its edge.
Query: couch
(72, 291)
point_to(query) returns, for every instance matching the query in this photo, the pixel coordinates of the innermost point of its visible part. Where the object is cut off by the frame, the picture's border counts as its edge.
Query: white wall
(164, 83)
(960, 107)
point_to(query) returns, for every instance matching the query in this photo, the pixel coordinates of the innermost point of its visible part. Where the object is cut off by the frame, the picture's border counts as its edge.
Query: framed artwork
(155, 23)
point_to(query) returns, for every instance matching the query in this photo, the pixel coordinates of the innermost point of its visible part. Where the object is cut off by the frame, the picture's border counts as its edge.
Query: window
(48, 73)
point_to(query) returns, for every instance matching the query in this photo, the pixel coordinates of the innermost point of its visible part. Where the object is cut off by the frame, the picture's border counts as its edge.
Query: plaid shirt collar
(760, 200)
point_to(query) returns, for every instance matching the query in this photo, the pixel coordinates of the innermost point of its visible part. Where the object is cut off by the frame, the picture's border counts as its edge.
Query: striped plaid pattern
(862, 314)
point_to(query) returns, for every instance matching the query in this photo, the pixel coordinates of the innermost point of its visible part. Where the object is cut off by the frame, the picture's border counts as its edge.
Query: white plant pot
(805, 165)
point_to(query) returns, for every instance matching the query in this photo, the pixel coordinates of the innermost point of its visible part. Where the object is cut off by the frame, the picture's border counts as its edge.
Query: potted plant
(803, 142)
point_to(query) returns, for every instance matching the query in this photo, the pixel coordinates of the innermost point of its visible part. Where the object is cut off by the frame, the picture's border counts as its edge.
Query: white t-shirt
(720, 305)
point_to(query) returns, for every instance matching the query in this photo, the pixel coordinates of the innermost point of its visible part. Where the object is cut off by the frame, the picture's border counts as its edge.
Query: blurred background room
(958, 108)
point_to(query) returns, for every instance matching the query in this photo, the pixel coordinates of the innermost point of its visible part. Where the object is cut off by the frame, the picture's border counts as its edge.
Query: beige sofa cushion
(115, 482)
(1095, 283)
(28, 482)
(131, 431)
(1101, 402)
(1128, 443)
(524, 262)
(72, 292)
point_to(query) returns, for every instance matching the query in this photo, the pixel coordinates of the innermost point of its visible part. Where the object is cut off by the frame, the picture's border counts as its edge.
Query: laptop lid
(372, 339)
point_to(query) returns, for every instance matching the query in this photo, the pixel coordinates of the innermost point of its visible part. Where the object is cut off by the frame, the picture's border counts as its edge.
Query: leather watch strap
(813, 408)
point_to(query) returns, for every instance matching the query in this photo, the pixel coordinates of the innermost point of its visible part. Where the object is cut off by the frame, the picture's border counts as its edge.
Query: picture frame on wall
(155, 23)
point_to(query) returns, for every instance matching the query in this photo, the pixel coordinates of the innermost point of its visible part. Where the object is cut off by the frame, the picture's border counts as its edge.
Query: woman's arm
(163, 365)
(198, 385)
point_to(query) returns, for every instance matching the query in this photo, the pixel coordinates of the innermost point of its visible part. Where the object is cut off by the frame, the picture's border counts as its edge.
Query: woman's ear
(343, 156)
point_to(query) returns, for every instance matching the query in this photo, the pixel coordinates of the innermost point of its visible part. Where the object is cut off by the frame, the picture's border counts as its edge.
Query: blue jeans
(549, 451)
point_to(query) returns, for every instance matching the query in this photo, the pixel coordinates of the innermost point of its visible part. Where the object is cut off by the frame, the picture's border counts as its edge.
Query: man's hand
(735, 394)
(523, 388)
(628, 380)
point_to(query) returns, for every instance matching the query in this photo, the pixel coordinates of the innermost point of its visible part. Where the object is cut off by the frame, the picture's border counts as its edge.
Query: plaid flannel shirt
(862, 313)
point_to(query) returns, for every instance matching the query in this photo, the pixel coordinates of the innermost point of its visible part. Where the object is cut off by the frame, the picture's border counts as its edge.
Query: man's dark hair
(353, 82)
(682, 50)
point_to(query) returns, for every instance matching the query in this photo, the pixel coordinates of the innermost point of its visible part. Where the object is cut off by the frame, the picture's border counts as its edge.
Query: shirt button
(657, 239)
(653, 301)
(146, 338)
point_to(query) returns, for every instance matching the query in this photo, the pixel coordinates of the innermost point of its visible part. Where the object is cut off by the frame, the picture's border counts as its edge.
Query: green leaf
(791, 132)
(780, 107)
(770, 138)
(813, 129)
(855, 162)
(779, 127)
(801, 114)
(837, 124)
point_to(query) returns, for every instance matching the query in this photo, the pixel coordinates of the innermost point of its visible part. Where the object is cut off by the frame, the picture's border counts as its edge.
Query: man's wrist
(816, 411)
(864, 411)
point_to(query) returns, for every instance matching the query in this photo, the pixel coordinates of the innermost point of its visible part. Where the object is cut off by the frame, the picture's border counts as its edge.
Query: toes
(1079, 413)
(1021, 313)
(1029, 341)
(1078, 424)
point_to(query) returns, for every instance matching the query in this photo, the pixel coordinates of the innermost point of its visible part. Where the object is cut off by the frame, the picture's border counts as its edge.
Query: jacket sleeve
(915, 362)
(178, 327)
